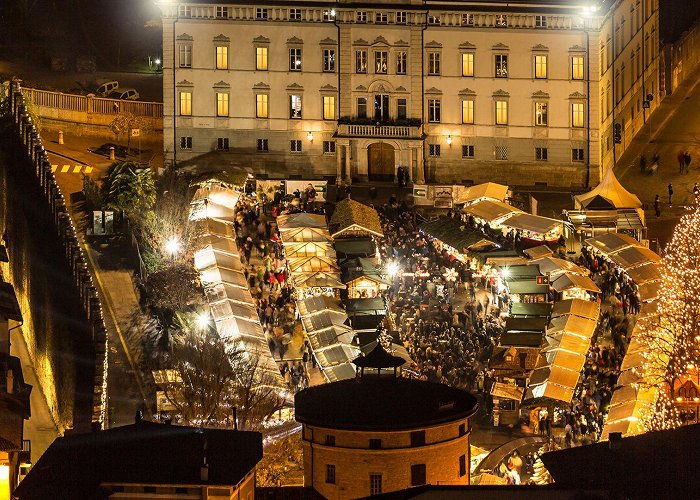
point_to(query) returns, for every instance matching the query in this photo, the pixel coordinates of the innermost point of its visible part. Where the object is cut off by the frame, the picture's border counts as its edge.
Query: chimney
(615, 441)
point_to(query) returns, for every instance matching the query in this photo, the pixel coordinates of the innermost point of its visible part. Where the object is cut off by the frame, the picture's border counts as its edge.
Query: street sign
(135, 132)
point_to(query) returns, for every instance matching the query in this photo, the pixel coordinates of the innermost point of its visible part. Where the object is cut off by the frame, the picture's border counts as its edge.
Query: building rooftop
(382, 404)
(143, 453)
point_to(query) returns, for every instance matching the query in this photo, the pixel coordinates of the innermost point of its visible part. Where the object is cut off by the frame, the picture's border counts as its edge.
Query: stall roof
(513, 361)
(344, 371)
(301, 220)
(538, 309)
(609, 194)
(525, 325)
(487, 190)
(338, 334)
(558, 375)
(611, 242)
(507, 391)
(575, 325)
(650, 291)
(521, 339)
(220, 291)
(227, 308)
(566, 342)
(526, 287)
(208, 257)
(321, 279)
(351, 217)
(644, 273)
(305, 234)
(454, 234)
(365, 306)
(313, 264)
(491, 211)
(213, 275)
(215, 227)
(549, 390)
(322, 320)
(566, 359)
(533, 223)
(359, 247)
(520, 272)
(336, 354)
(538, 252)
(360, 266)
(568, 281)
(301, 249)
(579, 307)
(318, 304)
(629, 258)
(549, 265)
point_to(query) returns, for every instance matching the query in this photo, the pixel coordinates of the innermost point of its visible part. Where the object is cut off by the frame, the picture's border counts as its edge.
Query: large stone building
(520, 92)
(377, 434)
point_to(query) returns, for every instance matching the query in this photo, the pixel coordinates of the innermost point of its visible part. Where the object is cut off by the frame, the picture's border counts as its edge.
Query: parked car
(107, 87)
(124, 93)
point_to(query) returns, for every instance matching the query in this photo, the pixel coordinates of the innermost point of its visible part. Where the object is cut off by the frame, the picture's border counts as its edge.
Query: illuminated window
(222, 104)
(541, 115)
(577, 67)
(329, 107)
(577, 114)
(222, 57)
(185, 103)
(468, 111)
(261, 58)
(361, 61)
(295, 107)
(541, 66)
(468, 64)
(501, 112)
(261, 105)
(381, 58)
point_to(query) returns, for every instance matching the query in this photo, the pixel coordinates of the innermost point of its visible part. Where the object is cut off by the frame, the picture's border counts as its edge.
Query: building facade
(465, 91)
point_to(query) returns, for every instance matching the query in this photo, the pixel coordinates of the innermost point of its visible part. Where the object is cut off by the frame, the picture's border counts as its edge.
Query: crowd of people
(613, 283)
(446, 345)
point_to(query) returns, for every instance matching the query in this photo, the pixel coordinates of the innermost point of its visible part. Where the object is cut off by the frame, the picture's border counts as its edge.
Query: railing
(394, 131)
(90, 104)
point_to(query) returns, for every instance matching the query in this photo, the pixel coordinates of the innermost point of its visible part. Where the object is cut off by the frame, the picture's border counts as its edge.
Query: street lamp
(202, 320)
(393, 269)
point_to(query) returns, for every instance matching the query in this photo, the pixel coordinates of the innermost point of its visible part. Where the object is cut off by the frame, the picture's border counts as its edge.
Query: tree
(129, 187)
(671, 334)
(124, 122)
(208, 377)
(282, 463)
(174, 288)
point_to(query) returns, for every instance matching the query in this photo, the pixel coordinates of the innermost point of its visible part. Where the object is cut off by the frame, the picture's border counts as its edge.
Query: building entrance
(381, 162)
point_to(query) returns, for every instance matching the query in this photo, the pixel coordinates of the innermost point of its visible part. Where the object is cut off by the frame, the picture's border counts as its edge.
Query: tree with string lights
(670, 335)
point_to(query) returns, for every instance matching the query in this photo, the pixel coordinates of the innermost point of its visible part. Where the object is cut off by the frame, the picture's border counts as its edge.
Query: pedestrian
(670, 195)
(686, 161)
(696, 191)
(657, 206)
(642, 163)
(681, 161)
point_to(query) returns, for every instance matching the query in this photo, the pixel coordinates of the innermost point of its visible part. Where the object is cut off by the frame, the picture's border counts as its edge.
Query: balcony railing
(381, 130)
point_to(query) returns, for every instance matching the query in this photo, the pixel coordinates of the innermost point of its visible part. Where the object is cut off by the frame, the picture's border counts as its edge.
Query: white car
(124, 93)
(107, 87)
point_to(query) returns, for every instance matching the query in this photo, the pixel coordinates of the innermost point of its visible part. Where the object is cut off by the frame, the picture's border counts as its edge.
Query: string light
(669, 335)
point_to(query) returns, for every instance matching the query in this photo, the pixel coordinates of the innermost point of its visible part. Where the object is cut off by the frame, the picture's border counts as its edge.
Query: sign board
(542, 280)
(321, 188)
(102, 222)
(420, 191)
(135, 132)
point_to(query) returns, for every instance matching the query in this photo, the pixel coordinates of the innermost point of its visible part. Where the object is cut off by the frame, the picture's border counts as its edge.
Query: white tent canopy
(485, 191)
(490, 211)
(579, 307)
(553, 265)
(611, 192)
(569, 281)
(533, 223)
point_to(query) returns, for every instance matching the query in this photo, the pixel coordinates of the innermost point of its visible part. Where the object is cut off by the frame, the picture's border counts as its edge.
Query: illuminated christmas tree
(670, 336)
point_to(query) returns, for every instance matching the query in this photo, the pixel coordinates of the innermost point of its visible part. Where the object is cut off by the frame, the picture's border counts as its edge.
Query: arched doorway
(380, 162)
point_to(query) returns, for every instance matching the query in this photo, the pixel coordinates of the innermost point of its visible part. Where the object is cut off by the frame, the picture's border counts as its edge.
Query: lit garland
(669, 336)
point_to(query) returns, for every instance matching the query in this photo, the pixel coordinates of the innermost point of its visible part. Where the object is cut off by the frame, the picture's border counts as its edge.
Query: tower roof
(378, 358)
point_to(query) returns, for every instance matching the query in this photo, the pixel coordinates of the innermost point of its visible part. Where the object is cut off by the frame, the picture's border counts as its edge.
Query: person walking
(686, 161)
(670, 195)
(681, 161)
(642, 163)
(657, 206)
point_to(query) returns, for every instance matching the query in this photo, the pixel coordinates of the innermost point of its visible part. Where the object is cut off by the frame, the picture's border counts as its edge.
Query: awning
(650, 291)
(553, 265)
(336, 355)
(318, 279)
(320, 303)
(579, 307)
(525, 325)
(526, 287)
(213, 275)
(296, 250)
(455, 234)
(609, 194)
(533, 223)
(538, 252)
(520, 272)
(322, 320)
(209, 256)
(345, 371)
(313, 264)
(568, 281)
(491, 211)
(644, 273)
(566, 342)
(227, 308)
(305, 234)
(338, 334)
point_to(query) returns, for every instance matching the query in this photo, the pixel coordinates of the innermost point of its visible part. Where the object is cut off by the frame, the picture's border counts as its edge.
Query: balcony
(404, 129)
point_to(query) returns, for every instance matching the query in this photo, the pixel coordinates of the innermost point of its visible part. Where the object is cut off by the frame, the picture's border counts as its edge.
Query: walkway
(126, 389)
